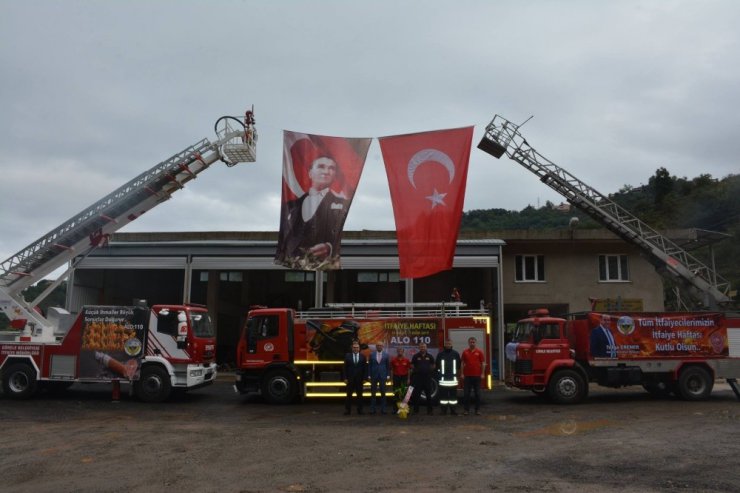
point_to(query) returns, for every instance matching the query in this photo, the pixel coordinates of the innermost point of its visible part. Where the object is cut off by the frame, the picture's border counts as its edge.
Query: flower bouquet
(403, 406)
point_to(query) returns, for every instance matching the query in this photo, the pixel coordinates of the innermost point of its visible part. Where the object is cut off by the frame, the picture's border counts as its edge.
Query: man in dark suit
(311, 225)
(380, 368)
(355, 371)
(601, 343)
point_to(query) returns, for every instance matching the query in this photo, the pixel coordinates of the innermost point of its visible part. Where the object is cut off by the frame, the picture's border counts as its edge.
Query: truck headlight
(196, 373)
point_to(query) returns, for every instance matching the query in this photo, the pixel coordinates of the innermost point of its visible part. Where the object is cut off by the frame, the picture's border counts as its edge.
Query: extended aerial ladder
(709, 289)
(73, 240)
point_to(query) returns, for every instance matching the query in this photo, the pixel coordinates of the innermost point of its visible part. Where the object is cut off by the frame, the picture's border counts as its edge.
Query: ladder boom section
(92, 226)
(87, 229)
(503, 136)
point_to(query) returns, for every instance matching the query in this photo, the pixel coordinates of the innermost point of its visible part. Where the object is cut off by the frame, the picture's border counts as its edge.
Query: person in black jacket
(355, 372)
(422, 371)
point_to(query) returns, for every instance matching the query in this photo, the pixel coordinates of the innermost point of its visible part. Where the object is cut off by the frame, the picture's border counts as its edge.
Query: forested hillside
(665, 202)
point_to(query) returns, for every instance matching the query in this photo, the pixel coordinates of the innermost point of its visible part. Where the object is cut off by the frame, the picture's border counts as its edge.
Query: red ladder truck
(705, 288)
(156, 349)
(680, 353)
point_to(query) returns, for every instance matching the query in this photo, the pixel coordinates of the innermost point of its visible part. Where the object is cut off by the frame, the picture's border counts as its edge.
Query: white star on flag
(436, 198)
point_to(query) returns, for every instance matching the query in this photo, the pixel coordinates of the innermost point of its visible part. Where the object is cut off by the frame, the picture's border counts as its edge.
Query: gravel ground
(215, 440)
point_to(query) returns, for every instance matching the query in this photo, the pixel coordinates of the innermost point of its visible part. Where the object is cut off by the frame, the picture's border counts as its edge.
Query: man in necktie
(311, 228)
(355, 371)
(379, 369)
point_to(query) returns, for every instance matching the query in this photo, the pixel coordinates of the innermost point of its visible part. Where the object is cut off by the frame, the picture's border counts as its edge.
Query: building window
(225, 276)
(365, 276)
(299, 276)
(530, 268)
(613, 268)
(230, 276)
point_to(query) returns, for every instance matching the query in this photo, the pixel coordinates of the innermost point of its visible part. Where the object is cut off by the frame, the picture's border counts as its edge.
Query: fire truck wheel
(279, 387)
(154, 384)
(567, 387)
(695, 384)
(19, 381)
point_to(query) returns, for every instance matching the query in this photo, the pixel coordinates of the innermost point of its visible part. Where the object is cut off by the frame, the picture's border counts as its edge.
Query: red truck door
(550, 345)
(266, 339)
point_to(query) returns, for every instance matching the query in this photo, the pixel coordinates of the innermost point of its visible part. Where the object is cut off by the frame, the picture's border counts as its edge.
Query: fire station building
(503, 274)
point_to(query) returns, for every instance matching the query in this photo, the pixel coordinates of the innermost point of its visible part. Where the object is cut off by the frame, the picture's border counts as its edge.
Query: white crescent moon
(290, 138)
(430, 155)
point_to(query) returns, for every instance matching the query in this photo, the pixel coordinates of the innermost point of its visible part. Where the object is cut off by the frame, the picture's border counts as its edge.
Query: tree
(662, 185)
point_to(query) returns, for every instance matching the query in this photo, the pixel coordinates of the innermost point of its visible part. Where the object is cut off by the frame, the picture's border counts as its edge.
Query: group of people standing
(447, 367)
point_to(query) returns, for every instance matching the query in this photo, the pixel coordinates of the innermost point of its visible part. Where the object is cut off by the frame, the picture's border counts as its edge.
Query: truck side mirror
(182, 330)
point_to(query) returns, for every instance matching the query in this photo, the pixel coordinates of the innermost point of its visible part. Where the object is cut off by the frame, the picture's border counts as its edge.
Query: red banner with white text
(427, 174)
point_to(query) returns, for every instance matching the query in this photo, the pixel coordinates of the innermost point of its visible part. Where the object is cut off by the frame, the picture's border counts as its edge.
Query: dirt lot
(214, 440)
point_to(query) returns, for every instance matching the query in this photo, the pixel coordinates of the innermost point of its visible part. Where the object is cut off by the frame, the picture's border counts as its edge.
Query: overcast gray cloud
(94, 93)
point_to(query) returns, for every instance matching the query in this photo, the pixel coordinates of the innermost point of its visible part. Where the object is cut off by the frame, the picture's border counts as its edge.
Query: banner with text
(646, 336)
(330, 340)
(113, 342)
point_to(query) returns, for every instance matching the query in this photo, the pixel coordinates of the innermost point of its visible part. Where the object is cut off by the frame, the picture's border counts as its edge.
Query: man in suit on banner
(312, 224)
(601, 342)
(320, 176)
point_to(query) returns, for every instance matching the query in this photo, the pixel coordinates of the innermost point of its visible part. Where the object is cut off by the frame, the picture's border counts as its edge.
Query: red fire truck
(158, 350)
(167, 347)
(681, 353)
(287, 355)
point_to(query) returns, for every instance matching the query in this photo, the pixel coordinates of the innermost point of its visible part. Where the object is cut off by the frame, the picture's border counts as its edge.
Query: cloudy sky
(93, 93)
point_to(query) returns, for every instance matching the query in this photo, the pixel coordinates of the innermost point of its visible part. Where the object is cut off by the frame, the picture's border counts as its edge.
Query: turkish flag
(427, 173)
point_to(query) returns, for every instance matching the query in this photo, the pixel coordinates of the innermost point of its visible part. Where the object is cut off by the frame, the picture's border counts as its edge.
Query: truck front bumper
(201, 375)
(526, 382)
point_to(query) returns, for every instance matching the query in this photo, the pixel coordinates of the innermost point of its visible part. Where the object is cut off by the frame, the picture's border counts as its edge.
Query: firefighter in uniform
(448, 367)
(422, 371)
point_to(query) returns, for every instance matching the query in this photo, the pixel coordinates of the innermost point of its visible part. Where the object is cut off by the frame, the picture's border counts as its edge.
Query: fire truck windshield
(523, 332)
(201, 324)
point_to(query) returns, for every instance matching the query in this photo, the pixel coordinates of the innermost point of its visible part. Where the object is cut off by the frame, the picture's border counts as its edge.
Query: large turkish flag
(427, 173)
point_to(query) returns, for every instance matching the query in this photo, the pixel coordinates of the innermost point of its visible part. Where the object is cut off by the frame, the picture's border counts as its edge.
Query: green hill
(665, 202)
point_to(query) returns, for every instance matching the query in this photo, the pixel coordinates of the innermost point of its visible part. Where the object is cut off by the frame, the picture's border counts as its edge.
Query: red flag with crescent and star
(427, 174)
